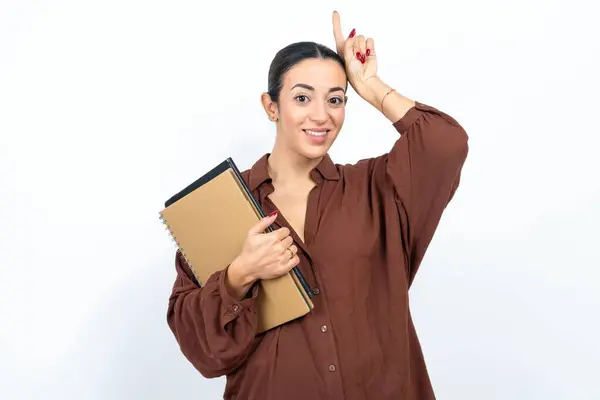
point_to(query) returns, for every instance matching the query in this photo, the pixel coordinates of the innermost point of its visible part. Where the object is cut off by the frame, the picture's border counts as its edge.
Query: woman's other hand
(263, 256)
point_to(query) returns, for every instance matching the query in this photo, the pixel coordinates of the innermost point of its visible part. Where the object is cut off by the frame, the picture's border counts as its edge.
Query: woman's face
(311, 107)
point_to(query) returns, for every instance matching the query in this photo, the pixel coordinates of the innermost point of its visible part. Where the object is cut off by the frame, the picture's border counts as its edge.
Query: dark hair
(291, 55)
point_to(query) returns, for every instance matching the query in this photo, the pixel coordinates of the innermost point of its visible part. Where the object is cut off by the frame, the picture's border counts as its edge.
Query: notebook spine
(174, 239)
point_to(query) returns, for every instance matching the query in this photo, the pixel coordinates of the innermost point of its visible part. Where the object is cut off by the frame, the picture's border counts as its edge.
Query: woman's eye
(336, 101)
(301, 98)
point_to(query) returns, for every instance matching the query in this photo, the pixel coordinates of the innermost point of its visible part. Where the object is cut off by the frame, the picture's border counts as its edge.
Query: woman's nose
(319, 112)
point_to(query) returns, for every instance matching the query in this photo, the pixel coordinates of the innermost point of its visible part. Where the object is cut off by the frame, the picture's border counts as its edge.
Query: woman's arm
(423, 169)
(215, 331)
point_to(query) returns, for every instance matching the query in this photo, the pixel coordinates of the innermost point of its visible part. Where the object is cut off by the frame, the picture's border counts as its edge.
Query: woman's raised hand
(359, 56)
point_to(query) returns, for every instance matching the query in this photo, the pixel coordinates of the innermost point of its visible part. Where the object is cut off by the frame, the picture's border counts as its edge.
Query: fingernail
(368, 52)
(362, 59)
(358, 55)
(352, 33)
(273, 213)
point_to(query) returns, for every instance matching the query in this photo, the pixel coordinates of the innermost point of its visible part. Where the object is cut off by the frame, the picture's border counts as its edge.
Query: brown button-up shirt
(367, 228)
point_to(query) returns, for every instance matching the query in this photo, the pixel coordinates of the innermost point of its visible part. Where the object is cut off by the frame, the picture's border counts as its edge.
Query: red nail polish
(273, 213)
(358, 55)
(362, 59)
(368, 52)
(352, 33)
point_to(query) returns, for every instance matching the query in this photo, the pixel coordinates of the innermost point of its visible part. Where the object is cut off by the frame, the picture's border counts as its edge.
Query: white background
(109, 107)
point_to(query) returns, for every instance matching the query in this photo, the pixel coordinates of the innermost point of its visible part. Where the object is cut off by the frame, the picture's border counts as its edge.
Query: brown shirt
(367, 228)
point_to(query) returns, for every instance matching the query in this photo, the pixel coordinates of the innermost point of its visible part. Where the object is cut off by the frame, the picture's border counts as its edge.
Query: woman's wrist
(237, 280)
(376, 91)
(387, 100)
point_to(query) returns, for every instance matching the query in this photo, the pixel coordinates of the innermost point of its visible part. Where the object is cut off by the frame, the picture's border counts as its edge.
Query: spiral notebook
(209, 221)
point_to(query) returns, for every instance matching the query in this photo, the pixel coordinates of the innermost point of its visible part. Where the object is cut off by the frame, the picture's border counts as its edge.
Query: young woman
(357, 232)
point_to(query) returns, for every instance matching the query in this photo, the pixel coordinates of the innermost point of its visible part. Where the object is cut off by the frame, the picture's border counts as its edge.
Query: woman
(357, 232)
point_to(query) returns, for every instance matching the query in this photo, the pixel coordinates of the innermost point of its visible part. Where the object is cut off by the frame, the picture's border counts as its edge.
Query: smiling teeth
(313, 133)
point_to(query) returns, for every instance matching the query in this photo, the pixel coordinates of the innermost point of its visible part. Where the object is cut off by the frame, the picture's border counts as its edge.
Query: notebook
(209, 221)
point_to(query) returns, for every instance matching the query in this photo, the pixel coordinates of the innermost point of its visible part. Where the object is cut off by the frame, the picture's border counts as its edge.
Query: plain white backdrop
(109, 107)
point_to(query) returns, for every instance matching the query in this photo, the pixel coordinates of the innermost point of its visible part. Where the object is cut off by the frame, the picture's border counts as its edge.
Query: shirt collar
(259, 173)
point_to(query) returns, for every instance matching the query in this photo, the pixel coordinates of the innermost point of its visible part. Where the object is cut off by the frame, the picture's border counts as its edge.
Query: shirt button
(316, 290)
(332, 368)
(324, 328)
(236, 308)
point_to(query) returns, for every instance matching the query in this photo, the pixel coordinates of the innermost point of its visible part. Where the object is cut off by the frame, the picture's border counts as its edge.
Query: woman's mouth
(320, 132)
(316, 136)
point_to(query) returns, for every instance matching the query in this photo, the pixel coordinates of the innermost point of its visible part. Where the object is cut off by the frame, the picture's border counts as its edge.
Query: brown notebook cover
(209, 221)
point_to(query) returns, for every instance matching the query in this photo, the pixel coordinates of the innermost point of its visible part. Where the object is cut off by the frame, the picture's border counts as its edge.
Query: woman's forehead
(319, 74)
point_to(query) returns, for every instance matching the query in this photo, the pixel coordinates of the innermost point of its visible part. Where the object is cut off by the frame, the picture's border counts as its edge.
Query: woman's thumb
(262, 225)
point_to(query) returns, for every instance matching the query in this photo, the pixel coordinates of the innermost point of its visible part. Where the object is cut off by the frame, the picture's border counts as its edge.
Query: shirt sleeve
(424, 168)
(215, 332)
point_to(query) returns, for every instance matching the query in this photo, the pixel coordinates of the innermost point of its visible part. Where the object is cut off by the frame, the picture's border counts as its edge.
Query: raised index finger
(337, 32)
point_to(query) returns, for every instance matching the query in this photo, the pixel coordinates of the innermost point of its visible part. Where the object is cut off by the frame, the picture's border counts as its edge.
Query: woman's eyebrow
(309, 87)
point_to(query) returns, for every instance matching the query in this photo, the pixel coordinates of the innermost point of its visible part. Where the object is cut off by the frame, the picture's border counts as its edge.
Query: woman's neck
(288, 169)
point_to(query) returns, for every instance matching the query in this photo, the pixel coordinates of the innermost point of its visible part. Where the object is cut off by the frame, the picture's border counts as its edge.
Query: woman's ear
(270, 106)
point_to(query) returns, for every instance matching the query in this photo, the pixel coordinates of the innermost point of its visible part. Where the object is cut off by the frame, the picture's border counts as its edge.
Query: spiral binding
(174, 239)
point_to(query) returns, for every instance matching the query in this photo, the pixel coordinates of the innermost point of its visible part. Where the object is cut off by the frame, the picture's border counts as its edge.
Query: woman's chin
(312, 153)
(311, 149)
